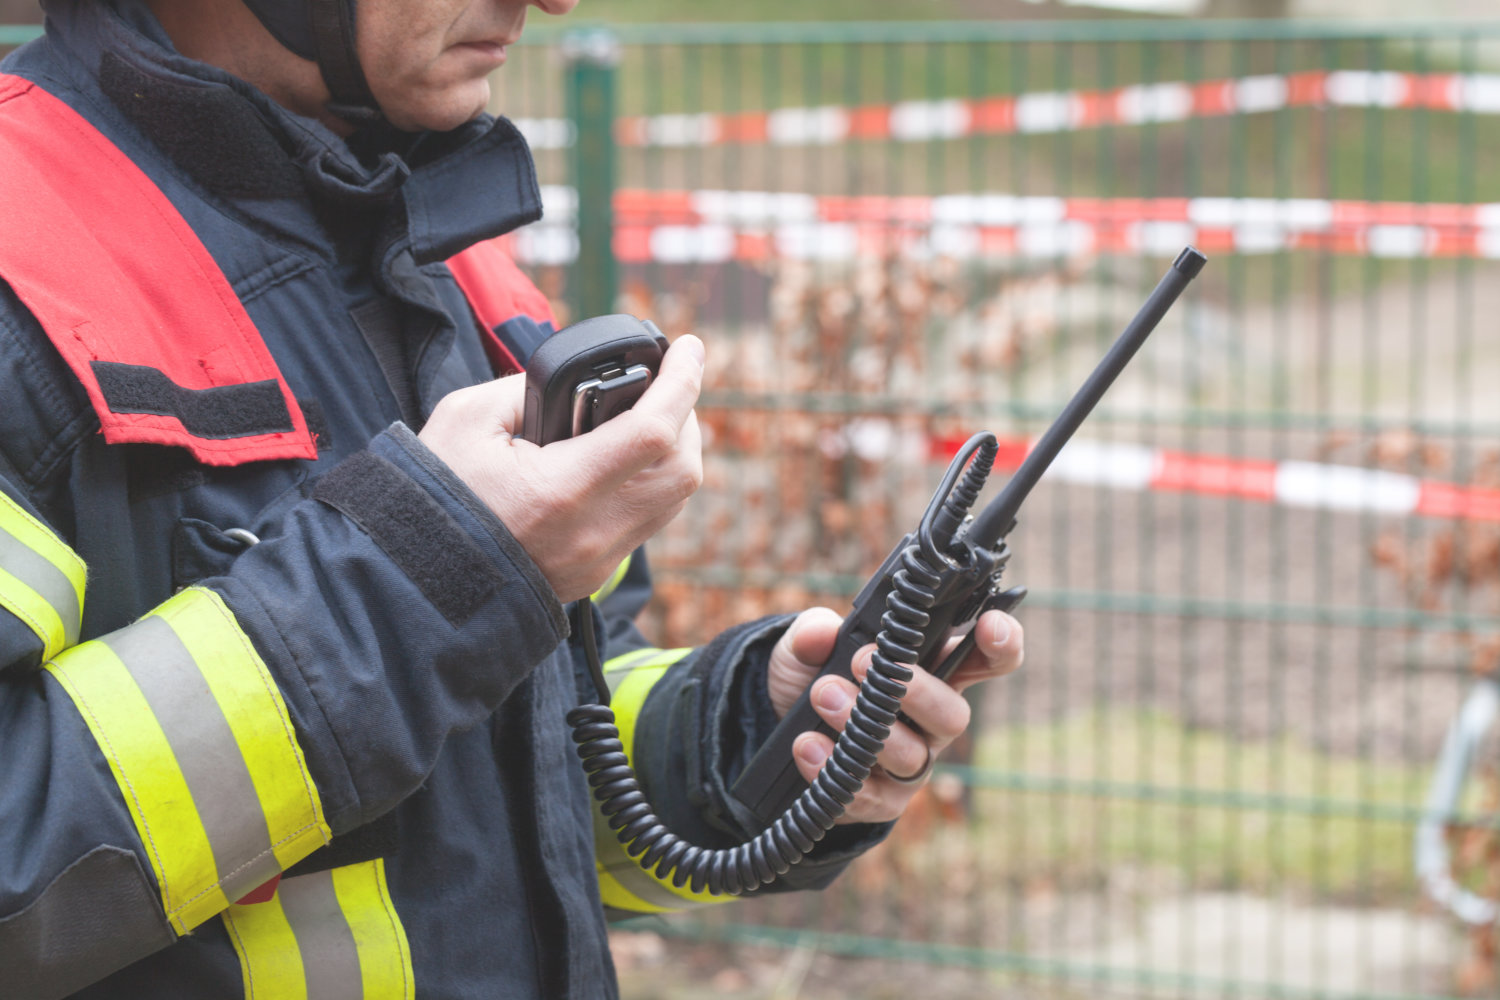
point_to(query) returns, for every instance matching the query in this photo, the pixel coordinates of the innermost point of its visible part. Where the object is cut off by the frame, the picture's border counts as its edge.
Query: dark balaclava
(323, 30)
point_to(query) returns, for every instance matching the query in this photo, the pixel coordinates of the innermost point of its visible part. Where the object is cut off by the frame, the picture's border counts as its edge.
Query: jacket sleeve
(155, 774)
(690, 720)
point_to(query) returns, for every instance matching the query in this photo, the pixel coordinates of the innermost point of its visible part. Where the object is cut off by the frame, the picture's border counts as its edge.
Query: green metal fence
(1263, 586)
(1261, 590)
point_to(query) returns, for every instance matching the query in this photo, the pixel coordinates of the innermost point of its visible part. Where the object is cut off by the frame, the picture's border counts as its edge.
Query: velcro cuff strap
(420, 537)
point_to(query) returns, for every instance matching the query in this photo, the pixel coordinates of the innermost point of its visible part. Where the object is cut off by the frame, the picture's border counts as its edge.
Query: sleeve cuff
(432, 473)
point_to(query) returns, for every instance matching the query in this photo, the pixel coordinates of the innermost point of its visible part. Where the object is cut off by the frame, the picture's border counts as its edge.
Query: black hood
(291, 22)
(323, 30)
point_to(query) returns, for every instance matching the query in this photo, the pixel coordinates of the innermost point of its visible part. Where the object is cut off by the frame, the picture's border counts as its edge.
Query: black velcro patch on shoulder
(226, 411)
(418, 535)
(212, 131)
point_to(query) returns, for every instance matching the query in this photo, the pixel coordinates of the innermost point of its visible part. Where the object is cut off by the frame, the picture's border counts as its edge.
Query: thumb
(799, 654)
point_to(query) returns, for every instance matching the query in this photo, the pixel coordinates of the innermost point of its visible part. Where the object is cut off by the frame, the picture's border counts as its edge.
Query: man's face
(428, 61)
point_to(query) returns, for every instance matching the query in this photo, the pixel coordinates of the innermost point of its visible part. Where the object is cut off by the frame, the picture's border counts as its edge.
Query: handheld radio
(587, 373)
(931, 588)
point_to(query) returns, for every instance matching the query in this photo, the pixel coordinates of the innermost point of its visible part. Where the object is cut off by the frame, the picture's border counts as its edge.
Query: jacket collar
(133, 62)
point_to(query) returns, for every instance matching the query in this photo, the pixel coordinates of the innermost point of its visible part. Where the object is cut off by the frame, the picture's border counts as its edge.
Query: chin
(443, 113)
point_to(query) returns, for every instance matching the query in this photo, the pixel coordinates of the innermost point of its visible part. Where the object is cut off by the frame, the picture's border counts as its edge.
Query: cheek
(396, 38)
(416, 87)
(419, 79)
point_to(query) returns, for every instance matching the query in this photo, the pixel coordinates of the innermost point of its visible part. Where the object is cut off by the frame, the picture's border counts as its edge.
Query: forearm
(167, 768)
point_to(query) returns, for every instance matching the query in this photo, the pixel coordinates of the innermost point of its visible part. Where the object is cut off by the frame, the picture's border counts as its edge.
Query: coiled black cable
(793, 835)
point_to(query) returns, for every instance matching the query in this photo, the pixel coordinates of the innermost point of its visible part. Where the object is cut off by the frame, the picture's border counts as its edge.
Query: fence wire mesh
(1262, 584)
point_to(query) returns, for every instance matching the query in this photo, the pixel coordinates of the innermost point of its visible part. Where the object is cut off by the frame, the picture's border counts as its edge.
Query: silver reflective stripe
(621, 667)
(206, 751)
(630, 875)
(21, 562)
(330, 958)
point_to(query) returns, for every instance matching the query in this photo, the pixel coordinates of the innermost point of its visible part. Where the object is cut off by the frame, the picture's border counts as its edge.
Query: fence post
(593, 58)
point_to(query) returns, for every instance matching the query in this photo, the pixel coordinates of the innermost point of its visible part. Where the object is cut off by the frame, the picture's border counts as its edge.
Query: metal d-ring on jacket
(281, 703)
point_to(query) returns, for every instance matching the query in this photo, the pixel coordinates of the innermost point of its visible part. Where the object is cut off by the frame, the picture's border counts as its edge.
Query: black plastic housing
(588, 372)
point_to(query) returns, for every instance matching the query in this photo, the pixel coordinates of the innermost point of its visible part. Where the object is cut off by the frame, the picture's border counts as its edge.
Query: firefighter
(284, 641)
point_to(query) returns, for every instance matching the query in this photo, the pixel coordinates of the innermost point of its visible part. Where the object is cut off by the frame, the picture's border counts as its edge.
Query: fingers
(509, 402)
(999, 649)
(579, 505)
(799, 654)
(652, 428)
(495, 409)
(938, 712)
(880, 799)
(674, 392)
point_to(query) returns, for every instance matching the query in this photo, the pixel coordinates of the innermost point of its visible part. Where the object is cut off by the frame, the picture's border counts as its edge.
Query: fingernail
(813, 752)
(833, 698)
(694, 348)
(1002, 633)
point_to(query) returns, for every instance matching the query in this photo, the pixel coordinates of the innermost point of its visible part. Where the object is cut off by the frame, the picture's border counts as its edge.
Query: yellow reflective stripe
(629, 698)
(201, 745)
(248, 696)
(623, 884)
(29, 606)
(626, 661)
(384, 954)
(617, 669)
(615, 896)
(305, 942)
(270, 961)
(613, 583)
(145, 768)
(41, 579)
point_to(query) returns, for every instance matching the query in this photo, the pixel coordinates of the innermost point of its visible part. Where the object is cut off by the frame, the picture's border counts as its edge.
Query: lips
(503, 42)
(493, 52)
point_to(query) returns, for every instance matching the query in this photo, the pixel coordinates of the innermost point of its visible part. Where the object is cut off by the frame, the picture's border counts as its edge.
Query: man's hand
(579, 506)
(937, 707)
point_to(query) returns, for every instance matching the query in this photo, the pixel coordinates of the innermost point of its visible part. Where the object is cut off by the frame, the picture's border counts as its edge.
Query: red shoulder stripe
(499, 292)
(129, 295)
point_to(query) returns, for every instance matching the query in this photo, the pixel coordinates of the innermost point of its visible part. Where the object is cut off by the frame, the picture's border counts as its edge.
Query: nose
(555, 7)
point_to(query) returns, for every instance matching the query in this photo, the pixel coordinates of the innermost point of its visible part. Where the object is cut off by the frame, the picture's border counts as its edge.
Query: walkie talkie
(941, 578)
(587, 373)
(932, 587)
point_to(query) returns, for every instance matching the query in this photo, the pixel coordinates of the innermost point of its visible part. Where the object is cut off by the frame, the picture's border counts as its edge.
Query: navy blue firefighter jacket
(338, 669)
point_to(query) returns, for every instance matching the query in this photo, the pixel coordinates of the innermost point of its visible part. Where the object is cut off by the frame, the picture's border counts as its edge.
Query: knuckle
(460, 403)
(957, 719)
(913, 757)
(653, 435)
(689, 479)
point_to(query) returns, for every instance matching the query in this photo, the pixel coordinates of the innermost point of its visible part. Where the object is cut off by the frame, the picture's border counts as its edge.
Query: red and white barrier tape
(1044, 112)
(1311, 485)
(722, 226)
